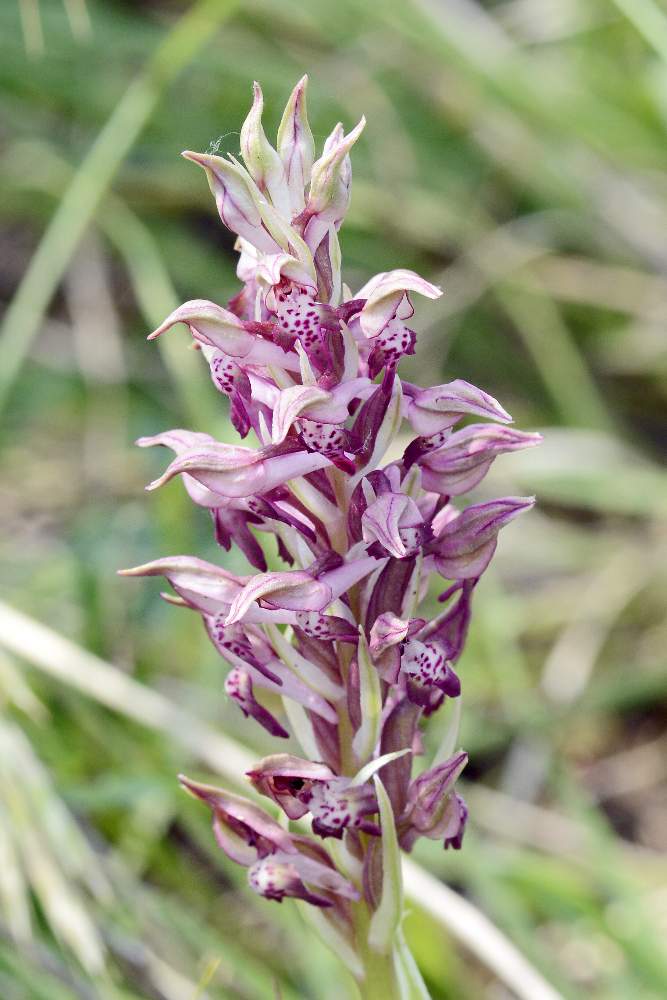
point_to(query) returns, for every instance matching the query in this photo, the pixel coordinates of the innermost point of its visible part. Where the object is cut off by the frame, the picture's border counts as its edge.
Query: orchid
(331, 654)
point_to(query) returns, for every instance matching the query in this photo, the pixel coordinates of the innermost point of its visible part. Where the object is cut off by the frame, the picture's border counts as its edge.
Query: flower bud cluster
(331, 651)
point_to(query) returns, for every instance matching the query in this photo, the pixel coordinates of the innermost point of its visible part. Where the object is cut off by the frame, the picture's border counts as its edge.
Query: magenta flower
(279, 864)
(301, 786)
(335, 651)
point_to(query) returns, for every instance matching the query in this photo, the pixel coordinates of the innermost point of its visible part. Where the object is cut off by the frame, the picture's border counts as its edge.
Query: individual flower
(466, 456)
(279, 864)
(300, 786)
(433, 808)
(465, 541)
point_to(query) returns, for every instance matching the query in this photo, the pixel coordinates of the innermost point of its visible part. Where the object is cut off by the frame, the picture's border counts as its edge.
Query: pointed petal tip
(201, 159)
(354, 134)
(257, 102)
(197, 789)
(189, 786)
(157, 483)
(144, 569)
(131, 571)
(174, 599)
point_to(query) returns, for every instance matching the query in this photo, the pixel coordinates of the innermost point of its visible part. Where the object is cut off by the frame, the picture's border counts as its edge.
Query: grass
(514, 153)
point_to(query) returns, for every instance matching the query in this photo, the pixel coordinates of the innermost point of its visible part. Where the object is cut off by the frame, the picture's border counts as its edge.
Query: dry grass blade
(477, 933)
(31, 22)
(48, 849)
(14, 898)
(34, 165)
(103, 682)
(15, 690)
(79, 18)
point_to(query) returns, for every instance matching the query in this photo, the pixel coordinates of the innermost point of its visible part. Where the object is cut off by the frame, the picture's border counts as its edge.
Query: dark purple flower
(282, 874)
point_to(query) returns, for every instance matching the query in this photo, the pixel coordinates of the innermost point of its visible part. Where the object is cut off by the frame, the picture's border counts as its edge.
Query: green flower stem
(380, 981)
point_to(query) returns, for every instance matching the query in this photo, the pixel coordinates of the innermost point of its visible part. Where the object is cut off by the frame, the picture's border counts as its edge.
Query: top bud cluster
(311, 369)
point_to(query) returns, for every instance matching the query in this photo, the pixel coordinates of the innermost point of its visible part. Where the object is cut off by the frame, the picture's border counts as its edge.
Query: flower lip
(282, 875)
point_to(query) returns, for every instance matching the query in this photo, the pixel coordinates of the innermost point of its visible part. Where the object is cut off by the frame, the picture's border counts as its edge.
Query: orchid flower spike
(334, 650)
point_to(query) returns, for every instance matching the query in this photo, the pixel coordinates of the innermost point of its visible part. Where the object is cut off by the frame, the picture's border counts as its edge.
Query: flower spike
(360, 480)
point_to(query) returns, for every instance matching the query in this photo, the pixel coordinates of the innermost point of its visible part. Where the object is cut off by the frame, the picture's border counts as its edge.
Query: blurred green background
(515, 153)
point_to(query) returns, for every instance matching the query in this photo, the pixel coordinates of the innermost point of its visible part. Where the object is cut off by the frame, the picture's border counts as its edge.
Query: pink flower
(464, 546)
(300, 787)
(335, 650)
(277, 863)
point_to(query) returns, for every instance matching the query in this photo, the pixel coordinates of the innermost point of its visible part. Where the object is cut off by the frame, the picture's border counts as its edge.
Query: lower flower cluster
(358, 477)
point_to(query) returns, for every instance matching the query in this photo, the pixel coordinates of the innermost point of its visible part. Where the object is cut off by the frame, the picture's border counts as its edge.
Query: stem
(380, 981)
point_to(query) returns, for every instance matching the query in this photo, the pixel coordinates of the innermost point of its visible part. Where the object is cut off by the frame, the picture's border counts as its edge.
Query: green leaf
(370, 696)
(386, 919)
(410, 983)
(368, 770)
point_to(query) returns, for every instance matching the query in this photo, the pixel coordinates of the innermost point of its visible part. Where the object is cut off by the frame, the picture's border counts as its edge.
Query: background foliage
(515, 152)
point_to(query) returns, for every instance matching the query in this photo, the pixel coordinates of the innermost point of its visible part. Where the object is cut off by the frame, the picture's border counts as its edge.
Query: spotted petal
(281, 875)
(424, 667)
(239, 687)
